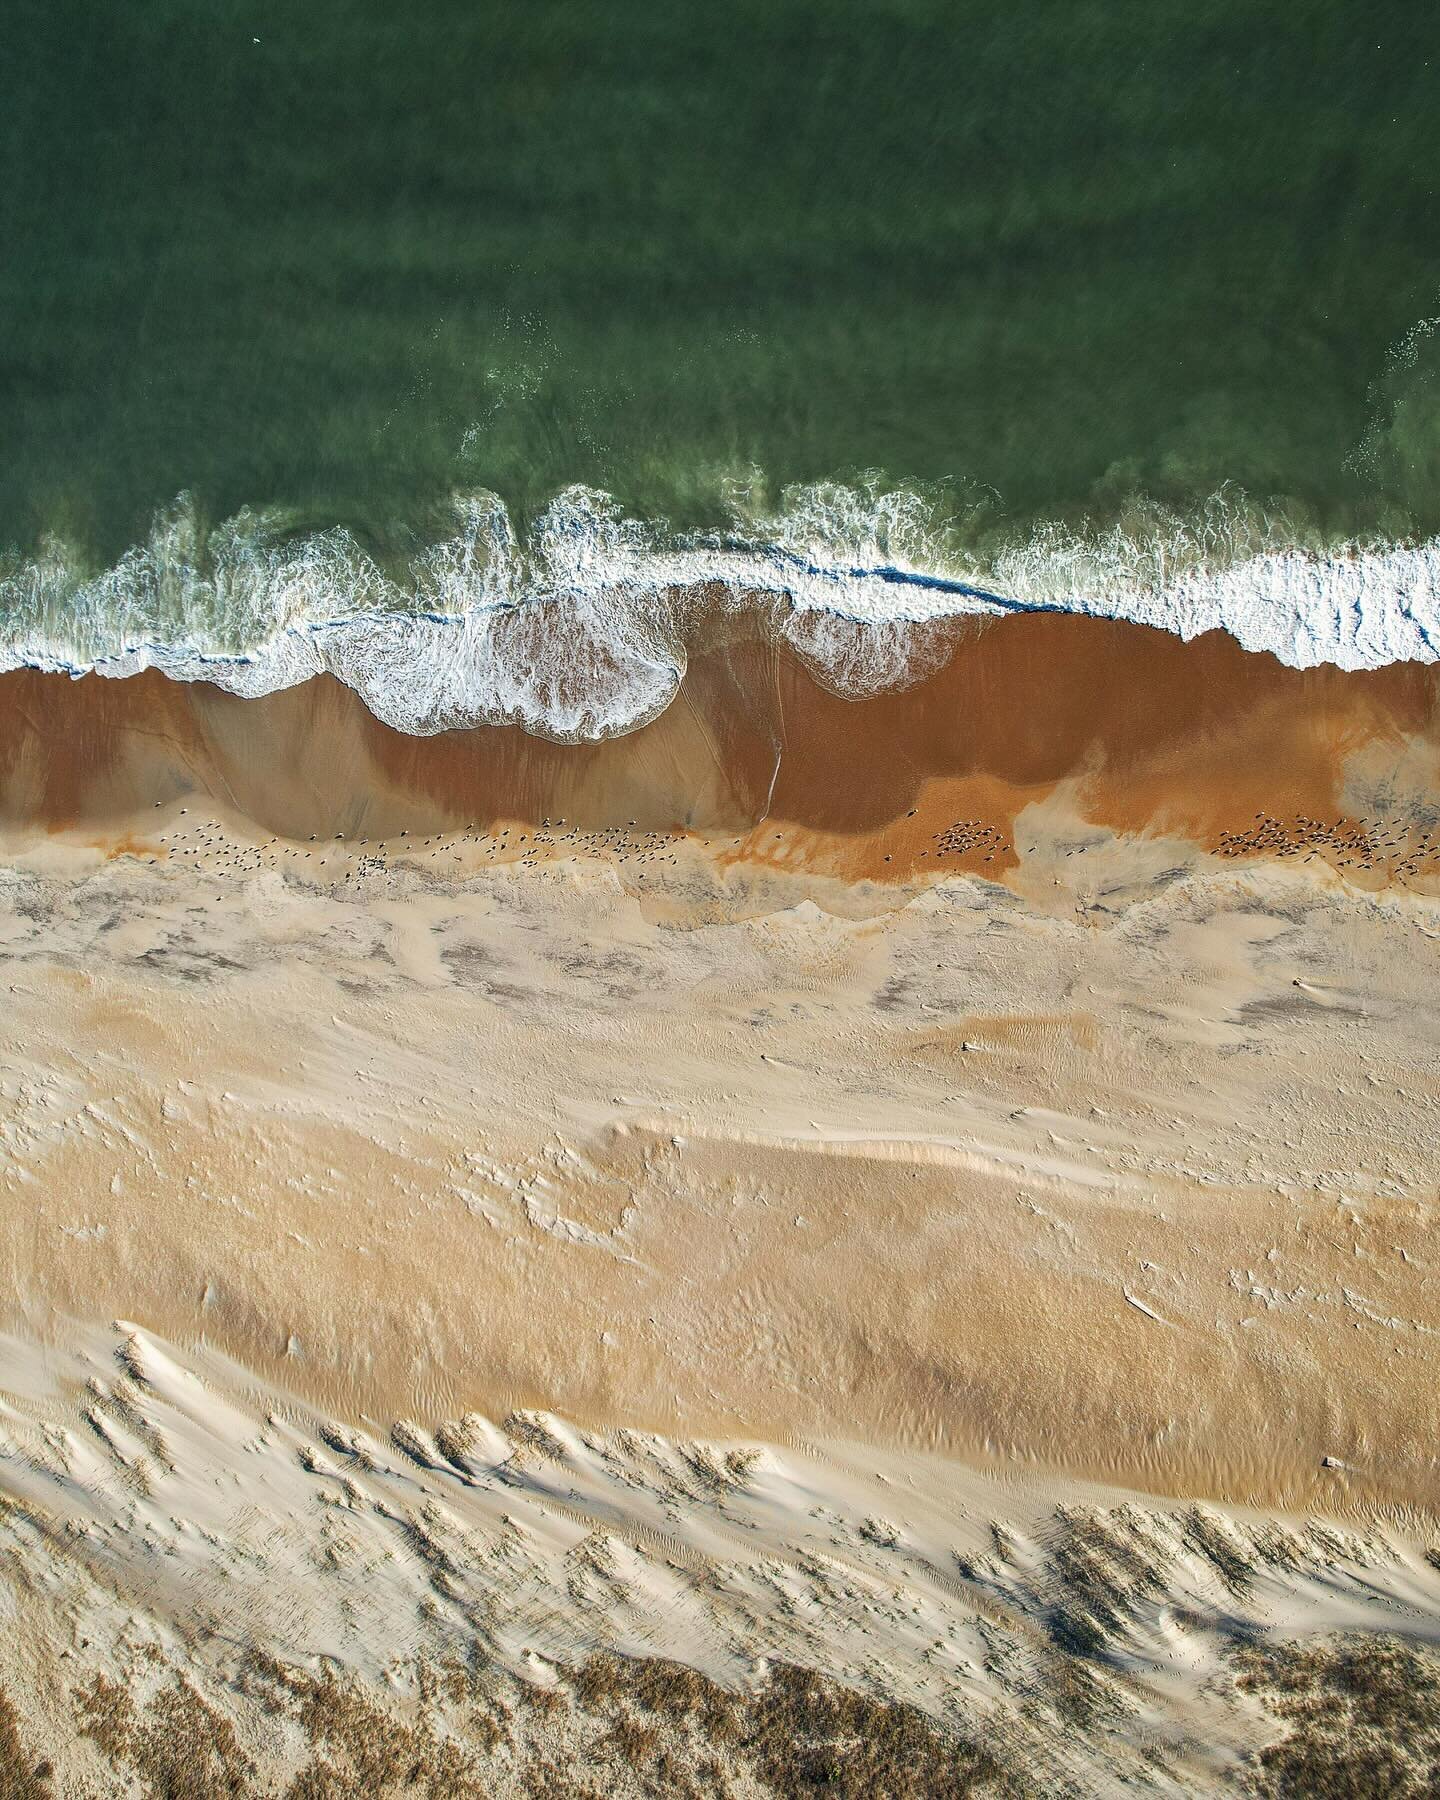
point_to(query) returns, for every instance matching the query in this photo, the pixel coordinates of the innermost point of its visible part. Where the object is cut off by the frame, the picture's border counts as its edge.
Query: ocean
(335, 337)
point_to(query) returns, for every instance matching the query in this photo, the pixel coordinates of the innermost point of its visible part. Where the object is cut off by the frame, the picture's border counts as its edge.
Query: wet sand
(1146, 732)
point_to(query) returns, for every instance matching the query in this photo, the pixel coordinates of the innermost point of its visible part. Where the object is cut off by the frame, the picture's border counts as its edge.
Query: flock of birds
(355, 857)
(1365, 845)
(968, 835)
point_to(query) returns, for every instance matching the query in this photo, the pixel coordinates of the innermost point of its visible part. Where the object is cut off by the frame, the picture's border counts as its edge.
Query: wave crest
(582, 629)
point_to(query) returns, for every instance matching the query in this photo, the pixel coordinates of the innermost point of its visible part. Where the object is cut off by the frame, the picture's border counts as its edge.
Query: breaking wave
(581, 629)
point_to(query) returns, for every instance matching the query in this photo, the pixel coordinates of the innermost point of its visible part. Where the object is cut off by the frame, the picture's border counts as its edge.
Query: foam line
(582, 631)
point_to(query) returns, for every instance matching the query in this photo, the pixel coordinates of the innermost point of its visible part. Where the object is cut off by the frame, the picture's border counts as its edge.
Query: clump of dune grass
(1361, 1718)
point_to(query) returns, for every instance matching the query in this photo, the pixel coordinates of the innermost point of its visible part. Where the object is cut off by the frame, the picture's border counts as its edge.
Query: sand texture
(937, 1192)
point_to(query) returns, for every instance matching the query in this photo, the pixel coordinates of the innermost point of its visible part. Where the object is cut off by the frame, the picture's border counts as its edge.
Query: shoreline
(582, 629)
(1138, 731)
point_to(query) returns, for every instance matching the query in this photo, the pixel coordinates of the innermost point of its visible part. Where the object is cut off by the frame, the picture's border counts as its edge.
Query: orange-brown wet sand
(1146, 733)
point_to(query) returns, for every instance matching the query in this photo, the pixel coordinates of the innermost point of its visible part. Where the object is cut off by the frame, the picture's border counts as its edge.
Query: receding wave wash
(429, 319)
(583, 629)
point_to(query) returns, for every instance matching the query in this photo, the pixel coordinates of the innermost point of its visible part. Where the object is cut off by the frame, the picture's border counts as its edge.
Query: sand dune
(288, 1597)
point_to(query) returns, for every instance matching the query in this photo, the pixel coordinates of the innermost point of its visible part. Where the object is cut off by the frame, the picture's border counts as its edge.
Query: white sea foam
(582, 630)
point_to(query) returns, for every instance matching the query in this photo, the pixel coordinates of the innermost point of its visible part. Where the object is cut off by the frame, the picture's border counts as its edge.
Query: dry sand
(1020, 1092)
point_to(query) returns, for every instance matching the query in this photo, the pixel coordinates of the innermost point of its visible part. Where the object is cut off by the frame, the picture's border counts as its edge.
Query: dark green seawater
(345, 256)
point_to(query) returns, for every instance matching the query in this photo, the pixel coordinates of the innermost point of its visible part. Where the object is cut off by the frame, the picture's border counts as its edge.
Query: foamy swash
(581, 630)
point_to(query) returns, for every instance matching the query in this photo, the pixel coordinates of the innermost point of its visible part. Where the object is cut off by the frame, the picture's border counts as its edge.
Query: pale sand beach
(937, 1191)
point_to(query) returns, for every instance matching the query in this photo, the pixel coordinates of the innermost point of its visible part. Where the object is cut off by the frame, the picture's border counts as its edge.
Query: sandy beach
(1020, 1088)
(719, 902)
